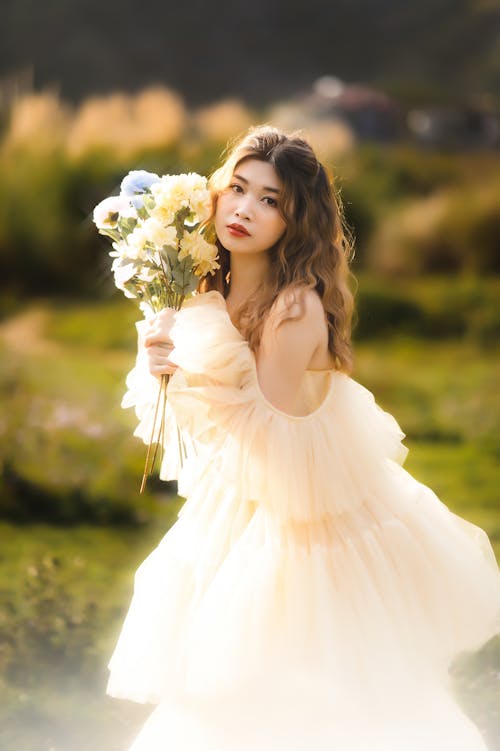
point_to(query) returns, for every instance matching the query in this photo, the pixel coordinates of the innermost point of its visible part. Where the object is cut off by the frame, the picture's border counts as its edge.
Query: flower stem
(159, 443)
(148, 467)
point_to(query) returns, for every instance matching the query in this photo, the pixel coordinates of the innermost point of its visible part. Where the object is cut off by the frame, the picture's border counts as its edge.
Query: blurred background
(402, 101)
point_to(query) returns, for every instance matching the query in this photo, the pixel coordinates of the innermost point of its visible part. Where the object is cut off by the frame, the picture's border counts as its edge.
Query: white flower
(136, 242)
(158, 234)
(147, 310)
(147, 274)
(120, 249)
(107, 212)
(123, 272)
(129, 213)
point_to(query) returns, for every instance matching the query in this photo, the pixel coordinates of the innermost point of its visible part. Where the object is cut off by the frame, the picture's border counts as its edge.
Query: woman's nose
(244, 208)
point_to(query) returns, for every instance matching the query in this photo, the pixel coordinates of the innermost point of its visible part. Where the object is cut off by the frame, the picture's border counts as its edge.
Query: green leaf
(183, 277)
(113, 233)
(181, 270)
(149, 202)
(179, 220)
(171, 255)
(191, 285)
(126, 225)
(210, 234)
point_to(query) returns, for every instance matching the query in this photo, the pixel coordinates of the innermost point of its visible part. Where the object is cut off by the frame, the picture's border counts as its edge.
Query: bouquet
(160, 251)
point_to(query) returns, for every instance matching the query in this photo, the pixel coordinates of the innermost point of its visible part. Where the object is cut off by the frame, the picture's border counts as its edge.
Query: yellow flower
(206, 267)
(174, 192)
(204, 254)
(164, 209)
(195, 189)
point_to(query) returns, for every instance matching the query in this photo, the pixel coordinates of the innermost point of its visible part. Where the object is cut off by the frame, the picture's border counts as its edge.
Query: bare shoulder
(298, 342)
(300, 305)
(295, 323)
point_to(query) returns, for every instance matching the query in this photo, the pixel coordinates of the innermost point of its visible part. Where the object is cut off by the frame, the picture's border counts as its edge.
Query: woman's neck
(247, 273)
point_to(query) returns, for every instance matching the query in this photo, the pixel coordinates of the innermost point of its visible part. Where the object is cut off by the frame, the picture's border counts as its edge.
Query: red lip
(239, 229)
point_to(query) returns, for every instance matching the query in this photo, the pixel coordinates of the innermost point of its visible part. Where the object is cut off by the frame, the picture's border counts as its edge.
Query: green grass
(65, 583)
(101, 325)
(446, 400)
(64, 594)
(68, 451)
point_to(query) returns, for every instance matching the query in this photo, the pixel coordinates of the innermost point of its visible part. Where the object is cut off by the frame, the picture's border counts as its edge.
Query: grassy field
(66, 580)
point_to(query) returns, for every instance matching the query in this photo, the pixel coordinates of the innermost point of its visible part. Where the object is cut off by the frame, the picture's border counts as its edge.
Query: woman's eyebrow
(265, 187)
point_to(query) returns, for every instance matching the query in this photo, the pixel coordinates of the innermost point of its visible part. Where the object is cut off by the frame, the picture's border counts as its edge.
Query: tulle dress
(312, 594)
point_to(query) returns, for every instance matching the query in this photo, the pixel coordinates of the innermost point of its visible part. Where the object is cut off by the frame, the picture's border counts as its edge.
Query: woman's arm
(286, 351)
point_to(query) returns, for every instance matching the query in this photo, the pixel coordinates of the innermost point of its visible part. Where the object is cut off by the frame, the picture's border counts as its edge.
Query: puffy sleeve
(180, 453)
(301, 467)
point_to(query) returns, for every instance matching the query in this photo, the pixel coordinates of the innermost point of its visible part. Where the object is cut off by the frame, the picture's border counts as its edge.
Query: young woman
(312, 594)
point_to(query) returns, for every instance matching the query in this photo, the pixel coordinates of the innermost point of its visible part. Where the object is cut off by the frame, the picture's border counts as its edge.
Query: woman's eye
(272, 201)
(236, 188)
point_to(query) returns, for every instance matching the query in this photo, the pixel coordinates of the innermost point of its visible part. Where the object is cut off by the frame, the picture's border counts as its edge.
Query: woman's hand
(158, 343)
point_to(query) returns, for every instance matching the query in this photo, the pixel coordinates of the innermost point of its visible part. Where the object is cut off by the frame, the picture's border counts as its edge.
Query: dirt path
(26, 332)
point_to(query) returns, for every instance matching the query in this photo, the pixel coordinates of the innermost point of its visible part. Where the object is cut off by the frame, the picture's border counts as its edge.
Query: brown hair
(313, 252)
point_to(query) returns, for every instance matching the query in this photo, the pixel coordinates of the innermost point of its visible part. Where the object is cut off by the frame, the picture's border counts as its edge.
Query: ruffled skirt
(337, 634)
(312, 594)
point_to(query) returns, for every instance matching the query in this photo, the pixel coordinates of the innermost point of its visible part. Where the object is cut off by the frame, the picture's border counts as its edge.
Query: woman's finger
(158, 362)
(158, 370)
(158, 338)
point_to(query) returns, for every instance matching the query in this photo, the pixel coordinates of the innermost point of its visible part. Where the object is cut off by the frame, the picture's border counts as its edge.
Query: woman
(312, 594)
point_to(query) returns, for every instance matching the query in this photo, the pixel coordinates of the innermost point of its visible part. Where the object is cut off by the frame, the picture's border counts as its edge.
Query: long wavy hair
(314, 251)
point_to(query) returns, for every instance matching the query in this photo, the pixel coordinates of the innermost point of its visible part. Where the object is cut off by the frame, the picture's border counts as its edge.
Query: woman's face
(247, 218)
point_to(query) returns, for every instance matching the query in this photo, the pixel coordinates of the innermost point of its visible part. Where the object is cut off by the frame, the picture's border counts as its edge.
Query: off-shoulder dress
(312, 594)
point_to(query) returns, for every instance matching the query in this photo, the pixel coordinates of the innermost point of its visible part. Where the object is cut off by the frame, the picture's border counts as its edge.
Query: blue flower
(137, 201)
(137, 181)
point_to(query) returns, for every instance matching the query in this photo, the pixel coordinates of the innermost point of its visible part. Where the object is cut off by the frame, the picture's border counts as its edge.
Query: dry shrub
(37, 122)
(161, 115)
(223, 120)
(454, 230)
(403, 235)
(122, 123)
(471, 226)
(126, 123)
(330, 137)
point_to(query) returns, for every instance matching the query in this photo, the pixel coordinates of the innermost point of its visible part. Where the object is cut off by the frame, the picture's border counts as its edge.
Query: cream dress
(312, 594)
